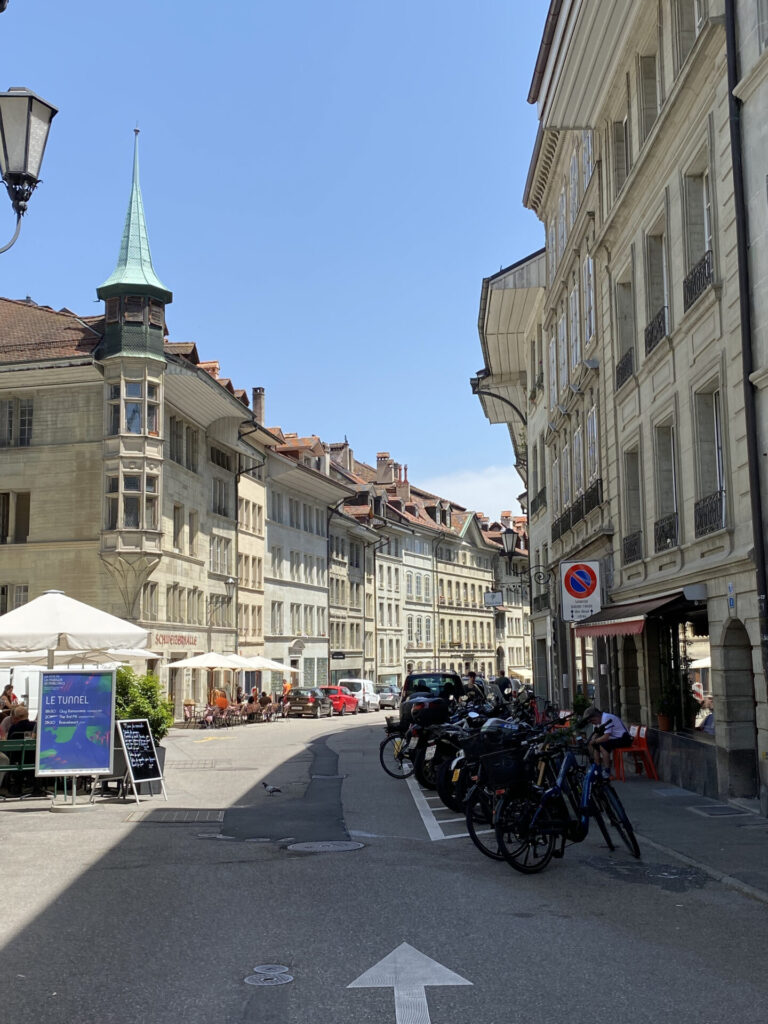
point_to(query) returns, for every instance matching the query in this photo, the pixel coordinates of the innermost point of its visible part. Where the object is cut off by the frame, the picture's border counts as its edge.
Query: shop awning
(623, 619)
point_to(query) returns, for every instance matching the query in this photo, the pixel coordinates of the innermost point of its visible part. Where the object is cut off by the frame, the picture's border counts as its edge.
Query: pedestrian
(609, 734)
(8, 698)
(705, 719)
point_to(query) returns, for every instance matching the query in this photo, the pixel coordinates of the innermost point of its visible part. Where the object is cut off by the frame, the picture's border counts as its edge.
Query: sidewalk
(728, 841)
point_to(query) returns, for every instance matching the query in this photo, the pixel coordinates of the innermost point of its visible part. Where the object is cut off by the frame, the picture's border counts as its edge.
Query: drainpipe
(747, 357)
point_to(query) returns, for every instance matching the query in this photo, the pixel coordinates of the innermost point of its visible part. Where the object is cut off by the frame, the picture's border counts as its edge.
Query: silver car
(389, 695)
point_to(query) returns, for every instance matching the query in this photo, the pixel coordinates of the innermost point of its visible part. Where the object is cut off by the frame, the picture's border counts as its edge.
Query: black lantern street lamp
(25, 120)
(511, 543)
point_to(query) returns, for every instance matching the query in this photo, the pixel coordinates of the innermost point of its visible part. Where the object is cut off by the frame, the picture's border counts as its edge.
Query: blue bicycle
(533, 826)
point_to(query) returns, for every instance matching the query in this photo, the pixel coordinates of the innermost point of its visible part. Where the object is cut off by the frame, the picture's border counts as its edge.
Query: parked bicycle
(534, 822)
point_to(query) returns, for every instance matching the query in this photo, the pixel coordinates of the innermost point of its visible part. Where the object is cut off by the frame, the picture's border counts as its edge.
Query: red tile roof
(31, 333)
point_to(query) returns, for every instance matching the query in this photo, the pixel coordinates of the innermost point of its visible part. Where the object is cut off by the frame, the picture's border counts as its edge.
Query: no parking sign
(580, 590)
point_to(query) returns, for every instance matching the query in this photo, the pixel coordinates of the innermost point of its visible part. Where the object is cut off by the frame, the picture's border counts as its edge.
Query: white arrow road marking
(408, 971)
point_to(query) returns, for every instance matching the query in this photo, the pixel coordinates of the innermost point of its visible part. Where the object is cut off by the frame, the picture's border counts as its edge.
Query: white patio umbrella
(56, 622)
(262, 664)
(212, 659)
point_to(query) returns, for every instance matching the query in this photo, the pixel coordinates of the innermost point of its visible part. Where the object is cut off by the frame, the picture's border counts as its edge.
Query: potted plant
(139, 697)
(665, 708)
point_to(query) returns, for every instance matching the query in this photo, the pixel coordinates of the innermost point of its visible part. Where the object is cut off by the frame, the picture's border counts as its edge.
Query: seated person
(220, 700)
(19, 723)
(267, 708)
(21, 726)
(705, 719)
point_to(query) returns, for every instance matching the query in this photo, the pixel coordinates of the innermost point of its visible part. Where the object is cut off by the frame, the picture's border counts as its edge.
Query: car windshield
(302, 693)
(384, 689)
(436, 683)
(356, 687)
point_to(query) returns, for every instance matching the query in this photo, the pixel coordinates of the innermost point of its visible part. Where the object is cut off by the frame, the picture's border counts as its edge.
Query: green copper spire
(134, 270)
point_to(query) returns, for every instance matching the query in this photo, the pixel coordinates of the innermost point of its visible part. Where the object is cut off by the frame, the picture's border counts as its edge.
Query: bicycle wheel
(394, 758)
(479, 814)
(617, 816)
(527, 849)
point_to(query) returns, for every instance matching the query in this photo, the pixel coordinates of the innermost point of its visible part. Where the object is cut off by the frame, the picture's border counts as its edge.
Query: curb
(719, 876)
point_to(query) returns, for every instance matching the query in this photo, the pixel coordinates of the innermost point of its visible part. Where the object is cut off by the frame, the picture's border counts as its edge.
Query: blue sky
(325, 184)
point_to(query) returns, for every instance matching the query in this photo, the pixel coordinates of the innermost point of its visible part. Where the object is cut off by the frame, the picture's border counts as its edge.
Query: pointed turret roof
(134, 263)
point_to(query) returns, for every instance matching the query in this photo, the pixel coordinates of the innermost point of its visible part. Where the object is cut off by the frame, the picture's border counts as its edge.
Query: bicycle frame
(576, 829)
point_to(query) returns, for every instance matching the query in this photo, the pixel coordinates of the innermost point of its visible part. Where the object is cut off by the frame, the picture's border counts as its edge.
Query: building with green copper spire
(135, 297)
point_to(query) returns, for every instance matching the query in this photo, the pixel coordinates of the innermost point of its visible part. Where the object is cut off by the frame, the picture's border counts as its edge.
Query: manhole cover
(719, 811)
(268, 979)
(327, 847)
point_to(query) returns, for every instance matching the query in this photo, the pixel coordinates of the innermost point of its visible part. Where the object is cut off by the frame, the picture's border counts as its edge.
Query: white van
(365, 692)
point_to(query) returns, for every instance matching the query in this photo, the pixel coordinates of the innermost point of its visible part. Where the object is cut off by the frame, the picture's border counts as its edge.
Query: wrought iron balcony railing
(632, 548)
(625, 368)
(665, 532)
(656, 330)
(593, 496)
(576, 511)
(709, 514)
(699, 279)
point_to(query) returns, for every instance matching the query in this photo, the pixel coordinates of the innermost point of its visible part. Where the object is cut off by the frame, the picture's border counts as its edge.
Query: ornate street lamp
(510, 542)
(25, 120)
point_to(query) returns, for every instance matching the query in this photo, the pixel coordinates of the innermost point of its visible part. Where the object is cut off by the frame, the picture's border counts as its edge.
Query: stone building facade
(635, 378)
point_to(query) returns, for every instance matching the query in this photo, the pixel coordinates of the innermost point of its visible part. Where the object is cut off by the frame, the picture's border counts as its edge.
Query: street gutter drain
(326, 847)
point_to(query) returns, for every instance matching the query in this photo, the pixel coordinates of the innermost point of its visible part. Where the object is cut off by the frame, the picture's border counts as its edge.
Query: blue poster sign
(76, 723)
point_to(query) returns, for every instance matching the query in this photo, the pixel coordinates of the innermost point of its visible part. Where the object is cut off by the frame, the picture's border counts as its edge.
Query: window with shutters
(574, 326)
(573, 188)
(649, 95)
(656, 287)
(587, 156)
(552, 372)
(698, 213)
(592, 452)
(565, 474)
(556, 506)
(578, 462)
(621, 160)
(625, 315)
(689, 17)
(588, 275)
(562, 353)
(632, 495)
(666, 477)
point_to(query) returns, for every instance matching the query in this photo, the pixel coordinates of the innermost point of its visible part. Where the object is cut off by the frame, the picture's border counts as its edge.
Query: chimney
(402, 487)
(257, 403)
(385, 468)
(506, 519)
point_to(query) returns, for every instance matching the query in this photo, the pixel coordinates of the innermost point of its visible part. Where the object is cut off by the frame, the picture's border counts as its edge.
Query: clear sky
(326, 183)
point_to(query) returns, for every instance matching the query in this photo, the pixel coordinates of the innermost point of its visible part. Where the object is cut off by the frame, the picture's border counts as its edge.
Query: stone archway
(735, 716)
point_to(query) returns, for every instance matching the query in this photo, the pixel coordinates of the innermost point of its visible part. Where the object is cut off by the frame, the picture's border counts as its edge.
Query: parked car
(389, 695)
(344, 702)
(365, 692)
(431, 684)
(309, 701)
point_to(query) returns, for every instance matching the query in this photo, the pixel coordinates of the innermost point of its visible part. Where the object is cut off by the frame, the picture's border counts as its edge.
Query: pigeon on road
(271, 790)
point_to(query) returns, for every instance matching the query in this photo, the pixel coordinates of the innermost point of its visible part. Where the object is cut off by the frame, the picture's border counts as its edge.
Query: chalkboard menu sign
(140, 752)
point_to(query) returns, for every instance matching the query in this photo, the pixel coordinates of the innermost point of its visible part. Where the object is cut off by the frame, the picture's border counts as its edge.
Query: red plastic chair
(639, 751)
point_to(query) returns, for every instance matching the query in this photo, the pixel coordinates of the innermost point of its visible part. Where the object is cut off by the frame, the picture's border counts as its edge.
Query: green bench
(24, 762)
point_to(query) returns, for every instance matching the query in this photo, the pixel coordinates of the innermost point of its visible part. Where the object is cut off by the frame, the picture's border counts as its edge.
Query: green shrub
(580, 703)
(139, 697)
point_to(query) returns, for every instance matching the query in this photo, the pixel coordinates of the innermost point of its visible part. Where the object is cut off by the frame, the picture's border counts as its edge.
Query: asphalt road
(119, 914)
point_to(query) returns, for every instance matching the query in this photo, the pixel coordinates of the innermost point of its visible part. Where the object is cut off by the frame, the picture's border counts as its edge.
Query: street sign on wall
(579, 590)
